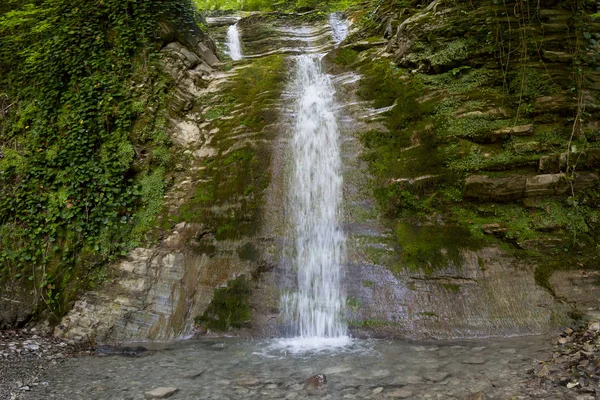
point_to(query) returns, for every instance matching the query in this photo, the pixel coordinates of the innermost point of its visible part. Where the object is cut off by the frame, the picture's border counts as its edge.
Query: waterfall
(233, 43)
(339, 26)
(315, 202)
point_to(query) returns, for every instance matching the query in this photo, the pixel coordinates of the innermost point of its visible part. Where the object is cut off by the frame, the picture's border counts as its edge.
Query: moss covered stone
(230, 308)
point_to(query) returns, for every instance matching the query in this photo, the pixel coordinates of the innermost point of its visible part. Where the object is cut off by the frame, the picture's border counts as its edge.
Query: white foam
(299, 345)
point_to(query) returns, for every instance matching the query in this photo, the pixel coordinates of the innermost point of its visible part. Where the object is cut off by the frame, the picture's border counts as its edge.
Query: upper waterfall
(339, 26)
(233, 43)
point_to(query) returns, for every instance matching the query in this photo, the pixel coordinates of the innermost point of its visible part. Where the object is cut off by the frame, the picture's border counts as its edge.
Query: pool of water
(240, 369)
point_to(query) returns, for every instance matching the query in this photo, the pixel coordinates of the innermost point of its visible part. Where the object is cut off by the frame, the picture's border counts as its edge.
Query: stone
(378, 390)
(436, 376)
(481, 187)
(315, 384)
(161, 393)
(594, 327)
(408, 380)
(557, 56)
(476, 396)
(505, 133)
(565, 340)
(248, 381)
(542, 370)
(474, 360)
(568, 331)
(398, 394)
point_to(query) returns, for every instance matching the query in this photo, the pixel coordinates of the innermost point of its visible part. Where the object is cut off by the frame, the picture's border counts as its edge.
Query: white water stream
(233, 43)
(339, 26)
(315, 200)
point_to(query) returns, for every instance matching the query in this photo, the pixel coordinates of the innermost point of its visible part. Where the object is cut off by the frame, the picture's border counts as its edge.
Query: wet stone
(436, 376)
(161, 393)
(315, 384)
(474, 360)
(397, 394)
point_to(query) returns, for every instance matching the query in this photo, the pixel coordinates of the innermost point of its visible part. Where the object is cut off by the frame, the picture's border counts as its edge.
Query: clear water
(315, 310)
(233, 43)
(236, 369)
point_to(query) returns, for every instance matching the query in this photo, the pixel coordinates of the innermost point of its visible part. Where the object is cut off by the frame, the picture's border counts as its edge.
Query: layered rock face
(482, 165)
(470, 153)
(223, 225)
(155, 293)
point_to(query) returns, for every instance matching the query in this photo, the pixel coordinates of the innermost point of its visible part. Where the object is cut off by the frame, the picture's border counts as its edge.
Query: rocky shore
(25, 355)
(35, 366)
(575, 364)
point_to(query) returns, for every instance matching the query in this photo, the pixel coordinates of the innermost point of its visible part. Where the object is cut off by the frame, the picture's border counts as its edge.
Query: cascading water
(233, 43)
(315, 200)
(339, 27)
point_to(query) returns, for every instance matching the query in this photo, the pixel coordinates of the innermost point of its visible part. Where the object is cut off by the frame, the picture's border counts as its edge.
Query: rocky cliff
(470, 151)
(484, 166)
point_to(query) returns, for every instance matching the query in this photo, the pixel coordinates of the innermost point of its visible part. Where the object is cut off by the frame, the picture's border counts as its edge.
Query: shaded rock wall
(456, 179)
(474, 106)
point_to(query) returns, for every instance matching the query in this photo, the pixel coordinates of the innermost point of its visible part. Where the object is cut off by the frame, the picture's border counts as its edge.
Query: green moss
(430, 247)
(368, 283)
(345, 57)
(230, 308)
(353, 304)
(248, 252)
(451, 287)
(231, 184)
(221, 109)
(451, 55)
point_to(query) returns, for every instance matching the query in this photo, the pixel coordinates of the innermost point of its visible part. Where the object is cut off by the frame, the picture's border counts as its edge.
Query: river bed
(372, 369)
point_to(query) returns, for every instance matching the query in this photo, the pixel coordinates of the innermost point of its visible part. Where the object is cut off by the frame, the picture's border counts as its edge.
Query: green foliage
(273, 5)
(69, 198)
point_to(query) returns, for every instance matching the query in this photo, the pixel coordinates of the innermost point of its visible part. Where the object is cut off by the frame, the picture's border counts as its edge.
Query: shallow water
(236, 369)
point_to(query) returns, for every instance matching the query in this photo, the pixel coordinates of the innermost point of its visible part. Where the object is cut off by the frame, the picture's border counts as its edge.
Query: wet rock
(248, 381)
(482, 187)
(397, 394)
(564, 340)
(408, 380)
(476, 396)
(557, 56)
(436, 376)
(316, 384)
(474, 360)
(161, 393)
(498, 189)
(503, 134)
